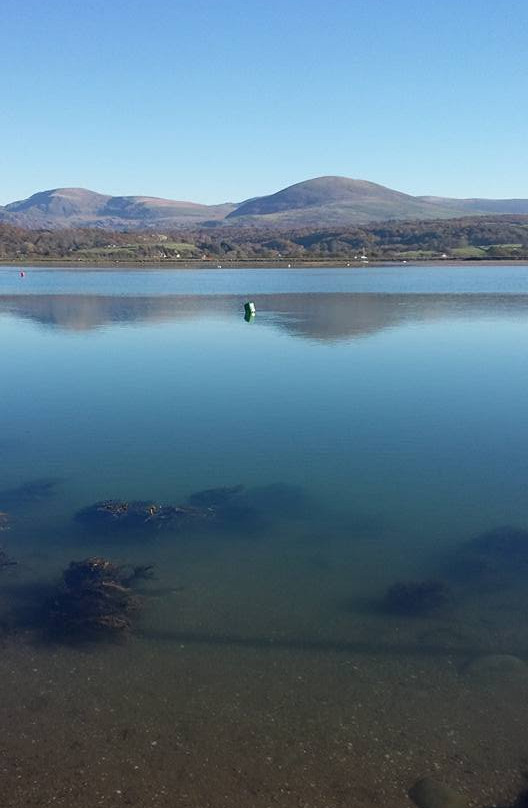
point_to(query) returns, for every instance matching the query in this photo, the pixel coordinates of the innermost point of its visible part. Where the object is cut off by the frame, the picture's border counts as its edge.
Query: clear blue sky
(216, 100)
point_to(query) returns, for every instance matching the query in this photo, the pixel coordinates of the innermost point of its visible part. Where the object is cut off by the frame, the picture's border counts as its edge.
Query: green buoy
(249, 311)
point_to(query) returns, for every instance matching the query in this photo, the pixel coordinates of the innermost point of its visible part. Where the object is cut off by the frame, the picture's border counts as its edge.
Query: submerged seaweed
(223, 508)
(113, 513)
(95, 598)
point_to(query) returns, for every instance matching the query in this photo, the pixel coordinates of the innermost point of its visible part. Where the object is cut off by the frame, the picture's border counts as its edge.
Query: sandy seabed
(199, 725)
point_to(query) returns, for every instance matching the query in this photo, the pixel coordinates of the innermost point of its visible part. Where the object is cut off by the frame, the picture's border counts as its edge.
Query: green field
(468, 252)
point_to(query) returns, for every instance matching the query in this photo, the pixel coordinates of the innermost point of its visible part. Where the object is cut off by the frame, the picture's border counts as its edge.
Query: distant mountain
(78, 207)
(319, 202)
(60, 203)
(336, 201)
(476, 206)
(331, 201)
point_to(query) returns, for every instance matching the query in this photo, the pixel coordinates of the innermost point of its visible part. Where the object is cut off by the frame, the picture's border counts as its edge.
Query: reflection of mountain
(325, 317)
(336, 317)
(88, 312)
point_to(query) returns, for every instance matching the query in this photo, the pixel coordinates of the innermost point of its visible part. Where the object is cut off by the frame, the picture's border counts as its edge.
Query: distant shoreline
(253, 265)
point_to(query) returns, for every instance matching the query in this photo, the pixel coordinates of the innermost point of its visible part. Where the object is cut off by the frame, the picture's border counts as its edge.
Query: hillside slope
(319, 202)
(477, 206)
(79, 207)
(336, 200)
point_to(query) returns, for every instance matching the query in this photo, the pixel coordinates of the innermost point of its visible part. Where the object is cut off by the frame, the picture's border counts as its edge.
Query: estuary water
(373, 423)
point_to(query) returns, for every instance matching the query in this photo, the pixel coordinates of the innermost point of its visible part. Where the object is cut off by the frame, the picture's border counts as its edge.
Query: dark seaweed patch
(112, 513)
(95, 598)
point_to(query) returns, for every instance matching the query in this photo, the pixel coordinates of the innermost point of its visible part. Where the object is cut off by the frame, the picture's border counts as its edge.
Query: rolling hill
(474, 207)
(79, 207)
(334, 201)
(319, 202)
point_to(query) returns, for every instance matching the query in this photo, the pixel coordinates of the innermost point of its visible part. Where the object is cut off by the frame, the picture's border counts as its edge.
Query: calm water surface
(377, 421)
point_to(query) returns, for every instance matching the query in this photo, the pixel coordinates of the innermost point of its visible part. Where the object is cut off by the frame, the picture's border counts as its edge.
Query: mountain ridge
(320, 201)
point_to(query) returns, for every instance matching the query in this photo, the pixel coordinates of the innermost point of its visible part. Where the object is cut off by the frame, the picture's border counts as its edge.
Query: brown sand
(193, 724)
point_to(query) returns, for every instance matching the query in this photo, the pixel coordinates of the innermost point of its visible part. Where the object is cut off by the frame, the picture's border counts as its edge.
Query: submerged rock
(416, 597)
(94, 598)
(117, 513)
(227, 507)
(5, 521)
(429, 793)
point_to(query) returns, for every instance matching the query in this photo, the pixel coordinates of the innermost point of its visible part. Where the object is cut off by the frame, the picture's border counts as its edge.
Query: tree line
(503, 236)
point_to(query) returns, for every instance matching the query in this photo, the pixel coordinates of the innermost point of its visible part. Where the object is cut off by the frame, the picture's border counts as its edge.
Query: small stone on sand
(496, 666)
(429, 793)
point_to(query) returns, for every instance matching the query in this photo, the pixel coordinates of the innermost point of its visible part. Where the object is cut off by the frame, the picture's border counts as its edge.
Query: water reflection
(327, 318)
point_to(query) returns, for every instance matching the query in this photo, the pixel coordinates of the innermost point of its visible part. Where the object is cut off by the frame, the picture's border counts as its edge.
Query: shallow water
(377, 419)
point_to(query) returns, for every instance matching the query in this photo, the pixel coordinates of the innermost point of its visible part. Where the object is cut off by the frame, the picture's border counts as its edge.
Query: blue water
(377, 418)
(383, 280)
